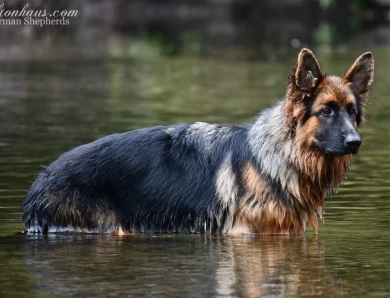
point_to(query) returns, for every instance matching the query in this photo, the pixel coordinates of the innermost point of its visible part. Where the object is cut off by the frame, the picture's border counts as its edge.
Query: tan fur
(263, 213)
(333, 89)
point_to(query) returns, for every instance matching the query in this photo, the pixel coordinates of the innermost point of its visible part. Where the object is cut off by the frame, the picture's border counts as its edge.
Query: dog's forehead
(336, 89)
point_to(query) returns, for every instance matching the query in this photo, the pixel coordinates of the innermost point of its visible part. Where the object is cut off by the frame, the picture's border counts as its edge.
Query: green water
(48, 107)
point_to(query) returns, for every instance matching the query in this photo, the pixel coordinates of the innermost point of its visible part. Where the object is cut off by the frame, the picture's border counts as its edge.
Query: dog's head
(325, 112)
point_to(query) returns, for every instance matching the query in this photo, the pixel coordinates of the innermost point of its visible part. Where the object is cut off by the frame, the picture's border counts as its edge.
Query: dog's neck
(273, 149)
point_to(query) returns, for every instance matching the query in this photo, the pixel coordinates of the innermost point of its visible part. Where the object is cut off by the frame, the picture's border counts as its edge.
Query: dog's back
(150, 180)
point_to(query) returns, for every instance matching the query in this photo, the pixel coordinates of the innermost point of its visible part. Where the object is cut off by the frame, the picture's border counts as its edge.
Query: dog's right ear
(307, 73)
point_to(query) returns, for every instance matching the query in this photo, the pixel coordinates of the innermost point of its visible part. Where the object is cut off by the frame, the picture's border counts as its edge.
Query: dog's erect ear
(308, 73)
(361, 73)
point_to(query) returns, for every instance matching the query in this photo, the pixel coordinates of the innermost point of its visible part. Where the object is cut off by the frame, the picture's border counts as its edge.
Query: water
(50, 106)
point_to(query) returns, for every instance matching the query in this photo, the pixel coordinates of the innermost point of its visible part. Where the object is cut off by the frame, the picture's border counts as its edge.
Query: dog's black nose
(353, 141)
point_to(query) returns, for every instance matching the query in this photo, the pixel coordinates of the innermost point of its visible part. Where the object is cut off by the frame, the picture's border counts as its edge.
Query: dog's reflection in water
(179, 265)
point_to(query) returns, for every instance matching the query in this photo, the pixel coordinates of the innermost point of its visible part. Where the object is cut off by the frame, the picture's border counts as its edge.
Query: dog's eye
(326, 111)
(352, 112)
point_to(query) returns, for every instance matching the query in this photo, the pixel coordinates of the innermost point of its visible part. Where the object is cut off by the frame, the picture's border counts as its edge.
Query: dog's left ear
(361, 73)
(308, 73)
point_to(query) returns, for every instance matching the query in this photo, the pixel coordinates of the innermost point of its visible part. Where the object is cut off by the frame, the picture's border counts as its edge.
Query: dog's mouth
(340, 151)
(351, 151)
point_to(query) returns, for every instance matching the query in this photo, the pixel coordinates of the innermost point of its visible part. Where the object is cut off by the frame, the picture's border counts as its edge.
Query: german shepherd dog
(269, 177)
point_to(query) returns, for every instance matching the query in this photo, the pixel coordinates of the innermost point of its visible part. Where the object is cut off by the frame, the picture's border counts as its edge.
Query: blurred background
(121, 65)
(243, 29)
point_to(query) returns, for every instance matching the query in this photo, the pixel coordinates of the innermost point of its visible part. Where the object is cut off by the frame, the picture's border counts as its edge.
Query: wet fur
(268, 177)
